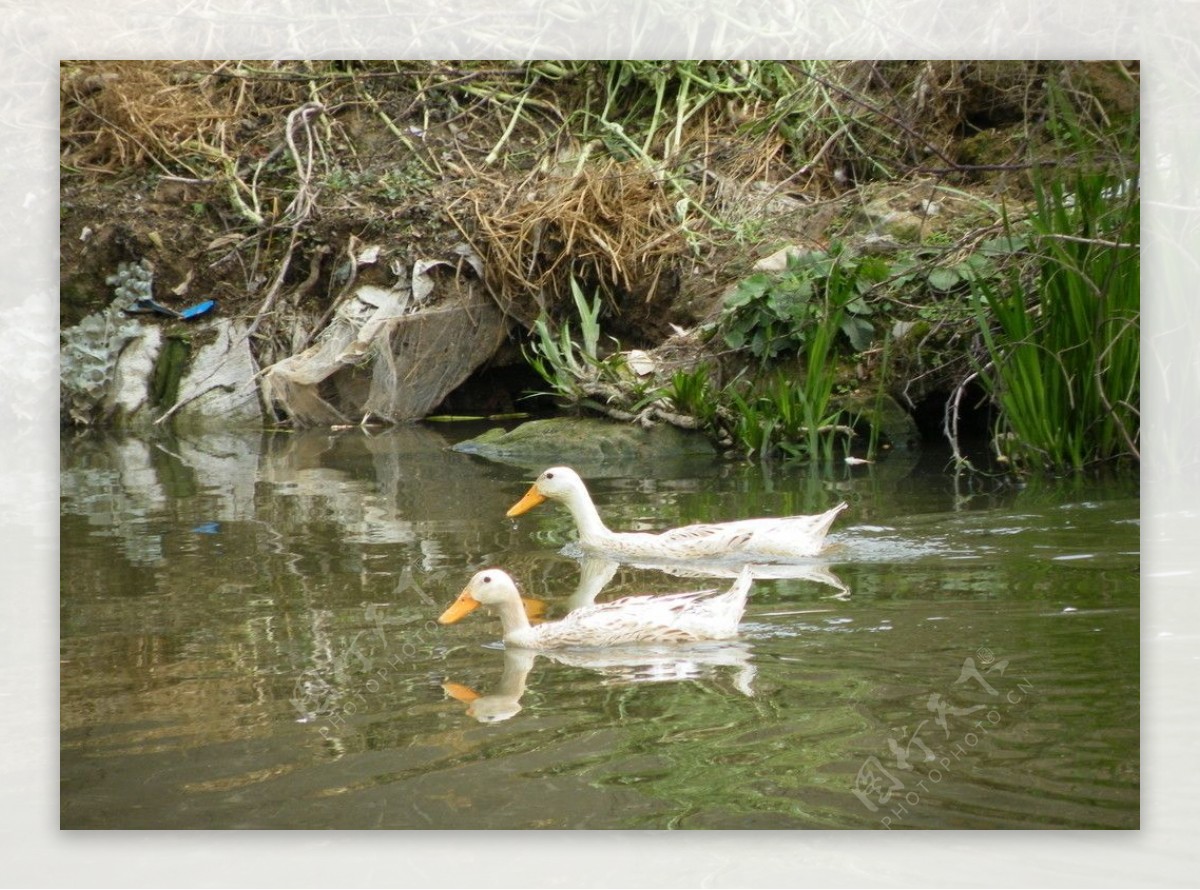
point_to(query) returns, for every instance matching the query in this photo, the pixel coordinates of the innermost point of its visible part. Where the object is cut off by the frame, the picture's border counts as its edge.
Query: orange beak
(461, 607)
(532, 498)
(458, 692)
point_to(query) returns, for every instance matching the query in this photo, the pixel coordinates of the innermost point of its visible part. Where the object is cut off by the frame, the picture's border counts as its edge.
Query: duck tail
(831, 514)
(740, 591)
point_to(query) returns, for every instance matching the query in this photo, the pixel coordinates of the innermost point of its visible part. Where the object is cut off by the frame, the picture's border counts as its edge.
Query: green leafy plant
(775, 314)
(573, 368)
(794, 414)
(796, 321)
(694, 395)
(947, 278)
(786, 417)
(817, 415)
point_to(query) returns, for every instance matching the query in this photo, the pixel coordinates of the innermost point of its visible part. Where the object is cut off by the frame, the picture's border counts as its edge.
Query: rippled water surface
(248, 641)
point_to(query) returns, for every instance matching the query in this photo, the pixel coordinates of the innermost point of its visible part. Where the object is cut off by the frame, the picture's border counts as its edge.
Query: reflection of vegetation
(194, 654)
(714, 758)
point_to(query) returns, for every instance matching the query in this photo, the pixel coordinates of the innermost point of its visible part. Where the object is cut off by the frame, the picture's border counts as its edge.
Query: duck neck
(587, 518)
(513, 619)
(517, 664)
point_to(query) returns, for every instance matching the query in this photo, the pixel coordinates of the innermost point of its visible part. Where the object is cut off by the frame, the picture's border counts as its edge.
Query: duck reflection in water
(630, 664)
(595, 573)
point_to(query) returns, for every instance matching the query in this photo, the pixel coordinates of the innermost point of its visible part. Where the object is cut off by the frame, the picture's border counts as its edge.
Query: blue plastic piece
(147, 306)
(198, 310)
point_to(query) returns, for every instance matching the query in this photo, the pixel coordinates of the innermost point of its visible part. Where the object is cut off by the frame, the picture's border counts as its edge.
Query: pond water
(248, 640)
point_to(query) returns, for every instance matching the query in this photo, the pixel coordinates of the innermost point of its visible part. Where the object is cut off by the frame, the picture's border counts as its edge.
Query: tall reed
(1064, 356)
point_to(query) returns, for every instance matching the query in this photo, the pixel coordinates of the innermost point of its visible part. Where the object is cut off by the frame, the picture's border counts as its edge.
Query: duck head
(557, 483)
(490, 587)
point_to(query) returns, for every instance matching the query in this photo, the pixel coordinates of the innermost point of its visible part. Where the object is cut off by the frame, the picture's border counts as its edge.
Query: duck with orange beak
(771, 539)
(676, 617)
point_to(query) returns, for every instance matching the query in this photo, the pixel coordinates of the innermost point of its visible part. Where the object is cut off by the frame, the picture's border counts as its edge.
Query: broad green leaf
(791, 304)
(1003, 245)
(749, 289)
(977, 264)
(859, 331)
(943, 279)
(859, 306)
(758, 343)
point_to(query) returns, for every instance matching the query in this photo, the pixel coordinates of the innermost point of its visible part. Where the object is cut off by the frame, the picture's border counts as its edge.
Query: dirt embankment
(281, 190)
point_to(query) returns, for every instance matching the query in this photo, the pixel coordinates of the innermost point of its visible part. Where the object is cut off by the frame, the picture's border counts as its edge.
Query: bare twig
(875, 109)
(950, 419)
(1098, 242)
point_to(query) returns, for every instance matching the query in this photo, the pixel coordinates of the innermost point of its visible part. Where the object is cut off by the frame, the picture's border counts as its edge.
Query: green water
(248, 641)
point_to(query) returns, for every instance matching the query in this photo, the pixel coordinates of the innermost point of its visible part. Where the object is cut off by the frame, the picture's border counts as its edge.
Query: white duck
(771, 539)
(671, 618)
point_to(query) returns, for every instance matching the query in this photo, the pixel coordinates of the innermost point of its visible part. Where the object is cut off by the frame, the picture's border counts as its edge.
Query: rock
(429, 353)
(129, 397)
(88, 359)
(902, 226)
(584, 441)
(219, 389)
(387, 355)
(874, 244)
(115, 370)
(889, 417)
(778, 261)
(898, 225)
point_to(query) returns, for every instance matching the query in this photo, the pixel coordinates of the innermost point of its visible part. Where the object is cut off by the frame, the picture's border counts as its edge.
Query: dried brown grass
(117, 115)
(609, 224)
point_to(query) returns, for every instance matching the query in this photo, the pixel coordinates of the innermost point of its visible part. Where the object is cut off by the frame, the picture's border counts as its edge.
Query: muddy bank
(379, 241)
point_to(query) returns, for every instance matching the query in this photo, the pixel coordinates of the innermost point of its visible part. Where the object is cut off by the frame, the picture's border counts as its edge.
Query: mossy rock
(887, 416)
(584, 441)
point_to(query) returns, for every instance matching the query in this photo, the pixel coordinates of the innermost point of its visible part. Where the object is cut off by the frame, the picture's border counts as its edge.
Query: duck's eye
(549, 475)
(487, 579)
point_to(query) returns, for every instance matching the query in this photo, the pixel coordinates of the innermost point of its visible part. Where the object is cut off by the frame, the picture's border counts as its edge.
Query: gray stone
(219, 391)
(584, 441)
(128, 400)
(889, 418)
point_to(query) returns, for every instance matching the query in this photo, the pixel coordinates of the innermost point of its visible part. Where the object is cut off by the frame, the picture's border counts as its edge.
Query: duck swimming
(670, 618)
(772, 539)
